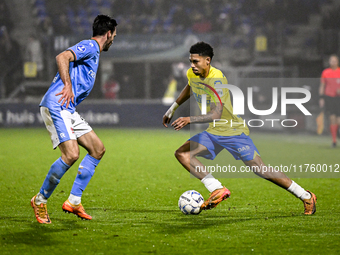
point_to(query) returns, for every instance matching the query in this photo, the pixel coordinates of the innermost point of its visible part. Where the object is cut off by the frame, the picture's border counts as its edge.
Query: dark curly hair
(202, 49)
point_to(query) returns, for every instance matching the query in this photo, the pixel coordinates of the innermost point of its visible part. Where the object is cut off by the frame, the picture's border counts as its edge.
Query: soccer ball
(190, 202)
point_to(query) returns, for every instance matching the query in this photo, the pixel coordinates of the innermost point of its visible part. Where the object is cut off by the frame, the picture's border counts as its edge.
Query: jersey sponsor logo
(81, 48)
(92, 74)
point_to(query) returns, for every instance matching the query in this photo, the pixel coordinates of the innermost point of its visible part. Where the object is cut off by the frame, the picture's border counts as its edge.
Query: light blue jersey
(82, 72)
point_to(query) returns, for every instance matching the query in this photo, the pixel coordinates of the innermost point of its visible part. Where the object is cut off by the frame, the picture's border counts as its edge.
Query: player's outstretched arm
(214, 114)
(63, 62)
(183, 96)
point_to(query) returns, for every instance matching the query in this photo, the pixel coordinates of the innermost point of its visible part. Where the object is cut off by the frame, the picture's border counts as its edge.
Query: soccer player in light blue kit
(77, 68)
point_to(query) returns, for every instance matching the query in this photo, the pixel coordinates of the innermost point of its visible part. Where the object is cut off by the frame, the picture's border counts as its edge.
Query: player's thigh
(256, 162)
(241, 146)
(332, 119)
(332, 106)
(87, 138)
(91, 142)
(337, 107)
(59, 125)
(191, 147)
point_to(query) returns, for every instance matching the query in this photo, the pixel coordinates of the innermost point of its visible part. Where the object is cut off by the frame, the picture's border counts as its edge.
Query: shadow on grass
(38, 234)
(174, 222)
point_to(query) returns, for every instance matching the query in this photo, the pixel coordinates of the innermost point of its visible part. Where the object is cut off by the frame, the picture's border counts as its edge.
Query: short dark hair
(102, 24)
(202, 49)
(334, 56)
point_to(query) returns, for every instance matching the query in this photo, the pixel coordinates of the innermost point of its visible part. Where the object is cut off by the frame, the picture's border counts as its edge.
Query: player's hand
(169, 113)
(166, 120)
(66, 96)
(180, 123)
(321, 102)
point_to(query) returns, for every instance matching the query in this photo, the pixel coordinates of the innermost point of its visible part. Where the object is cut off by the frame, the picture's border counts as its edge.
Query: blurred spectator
(62, 25)
(201, 23)
(261, 41)
(330, 18)
(180, 19)
(46, 27)
(34, 54)
(111, 88)
(4, 16)
(128, 87)
(295, 12)
(177, 16)
(11, 64)
(223, 23)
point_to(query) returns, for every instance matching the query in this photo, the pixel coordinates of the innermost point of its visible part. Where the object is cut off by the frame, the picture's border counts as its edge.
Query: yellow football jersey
(230, 124)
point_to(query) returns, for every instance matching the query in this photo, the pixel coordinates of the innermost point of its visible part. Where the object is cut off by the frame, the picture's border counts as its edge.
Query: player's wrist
(170, 112)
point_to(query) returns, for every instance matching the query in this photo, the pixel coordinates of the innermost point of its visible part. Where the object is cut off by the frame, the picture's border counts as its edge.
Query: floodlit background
(145, 68)
(134, 193)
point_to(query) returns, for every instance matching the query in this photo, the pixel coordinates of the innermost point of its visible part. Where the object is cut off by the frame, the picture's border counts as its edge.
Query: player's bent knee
(98, 153)
(101, 152)
(181, 155)
(70, 158)
(178, 154)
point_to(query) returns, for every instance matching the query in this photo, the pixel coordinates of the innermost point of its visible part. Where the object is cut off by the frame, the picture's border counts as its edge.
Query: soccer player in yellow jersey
(202, 79)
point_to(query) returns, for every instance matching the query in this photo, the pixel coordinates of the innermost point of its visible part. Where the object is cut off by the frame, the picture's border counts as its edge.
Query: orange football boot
(310, 204)
(76, 209)
(215, 198)
(40, 212)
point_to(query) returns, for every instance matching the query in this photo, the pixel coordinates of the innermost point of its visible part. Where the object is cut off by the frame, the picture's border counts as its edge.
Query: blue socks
(57, 170)
(85, 172)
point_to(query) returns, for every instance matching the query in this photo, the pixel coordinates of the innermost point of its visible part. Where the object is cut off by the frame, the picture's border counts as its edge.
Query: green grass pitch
(133, 200)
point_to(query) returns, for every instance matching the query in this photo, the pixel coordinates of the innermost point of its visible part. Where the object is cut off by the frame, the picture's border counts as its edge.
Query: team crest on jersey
(81, 48)
(92, 74)
(219, 92)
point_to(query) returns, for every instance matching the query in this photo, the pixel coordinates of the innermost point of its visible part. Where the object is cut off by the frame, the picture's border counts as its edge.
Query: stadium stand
(290, 30)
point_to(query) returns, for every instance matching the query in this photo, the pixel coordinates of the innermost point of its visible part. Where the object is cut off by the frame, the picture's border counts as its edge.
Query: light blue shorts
(63, 125)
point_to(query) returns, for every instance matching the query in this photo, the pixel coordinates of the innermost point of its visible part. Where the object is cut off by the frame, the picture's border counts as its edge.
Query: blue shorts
(240, 146)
